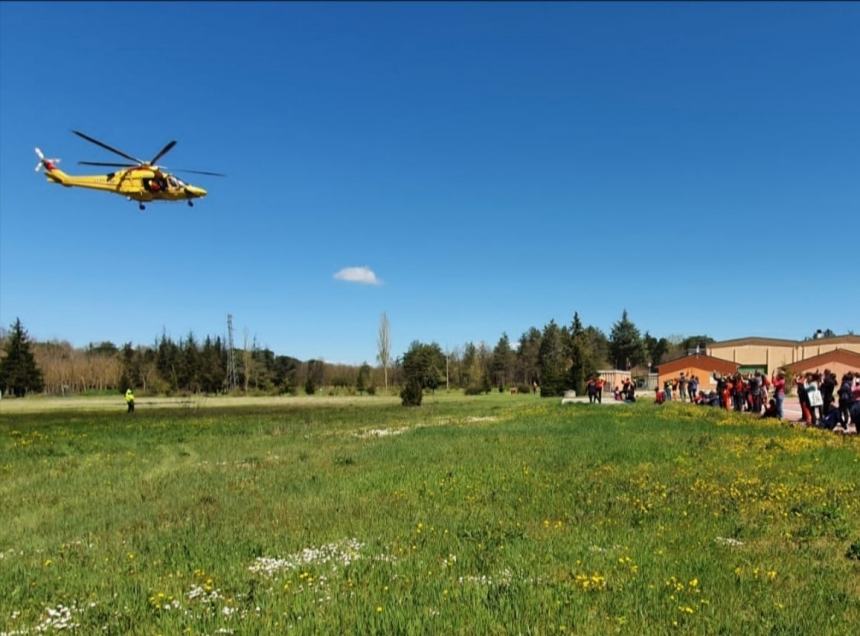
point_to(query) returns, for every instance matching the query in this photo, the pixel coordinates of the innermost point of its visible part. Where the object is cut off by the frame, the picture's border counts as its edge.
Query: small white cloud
(360, 275)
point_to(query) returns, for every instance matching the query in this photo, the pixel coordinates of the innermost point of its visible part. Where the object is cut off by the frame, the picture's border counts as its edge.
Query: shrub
(412, 393)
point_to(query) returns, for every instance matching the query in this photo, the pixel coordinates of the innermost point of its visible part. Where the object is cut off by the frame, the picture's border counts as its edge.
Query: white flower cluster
(504, 578)
(58, 618)
(338, 554)
(381, 432)
(734, 543)
(198, 593)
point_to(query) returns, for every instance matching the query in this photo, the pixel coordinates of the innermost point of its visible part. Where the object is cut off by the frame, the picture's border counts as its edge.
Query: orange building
(839, 361)
(699, 365)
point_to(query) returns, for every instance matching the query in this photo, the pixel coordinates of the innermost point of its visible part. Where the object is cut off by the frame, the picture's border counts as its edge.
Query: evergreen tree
(189, 365)
(470, 367)
(422, 368)
(654, 349)
(362, 382)
(167, 361)
(582, 362)
(131, 368)
(213, 374)
(18, 370)
(485, 358)
(502, 364)
(598, 346)
(527, 363)
(552, 361)
(625, 344)
(315, 376)
(285, 374)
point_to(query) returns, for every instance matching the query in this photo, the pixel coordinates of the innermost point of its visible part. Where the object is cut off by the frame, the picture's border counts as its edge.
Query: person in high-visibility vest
(129, 399)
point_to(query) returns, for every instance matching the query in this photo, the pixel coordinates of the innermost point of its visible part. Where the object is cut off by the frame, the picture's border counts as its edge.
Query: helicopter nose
(194, 191)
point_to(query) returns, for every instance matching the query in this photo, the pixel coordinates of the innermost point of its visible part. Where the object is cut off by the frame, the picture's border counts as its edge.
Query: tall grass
(484, 515)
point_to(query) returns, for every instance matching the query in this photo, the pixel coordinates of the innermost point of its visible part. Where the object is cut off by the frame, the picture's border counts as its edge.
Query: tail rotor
(48, 164)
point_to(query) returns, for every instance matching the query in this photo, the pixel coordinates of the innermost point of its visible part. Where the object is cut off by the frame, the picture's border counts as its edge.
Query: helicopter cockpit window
(155, 184)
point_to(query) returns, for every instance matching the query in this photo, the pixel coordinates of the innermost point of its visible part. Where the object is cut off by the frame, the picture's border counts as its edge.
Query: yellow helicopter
(142, 181)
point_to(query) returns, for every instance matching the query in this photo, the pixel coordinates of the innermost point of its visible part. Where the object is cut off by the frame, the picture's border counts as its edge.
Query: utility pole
(231, 358)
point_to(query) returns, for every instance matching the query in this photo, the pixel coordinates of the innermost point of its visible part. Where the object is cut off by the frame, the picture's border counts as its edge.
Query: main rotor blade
(211, 174)
(163, 152)
(106, 147)
(112, 165)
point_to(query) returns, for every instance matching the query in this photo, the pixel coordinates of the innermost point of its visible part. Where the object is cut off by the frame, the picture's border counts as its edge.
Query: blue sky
(495, 165)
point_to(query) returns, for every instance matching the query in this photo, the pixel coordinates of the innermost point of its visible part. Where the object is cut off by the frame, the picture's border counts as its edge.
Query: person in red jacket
(778, 383)
(728, 387)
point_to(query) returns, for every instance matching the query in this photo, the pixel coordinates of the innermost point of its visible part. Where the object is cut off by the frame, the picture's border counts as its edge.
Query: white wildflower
(338, 554)
(381, 432)
(734, 543)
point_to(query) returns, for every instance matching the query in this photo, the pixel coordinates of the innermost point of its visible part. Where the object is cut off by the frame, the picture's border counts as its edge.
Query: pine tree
(470, 368)
(654, 349)
(527, 365)
(167, 361)
(582, 362)
(131, 368)
(212, 368)
(552, 361)
(502, 365)
(625, 344)
(363, 379)
(18, 370)
(189, 365)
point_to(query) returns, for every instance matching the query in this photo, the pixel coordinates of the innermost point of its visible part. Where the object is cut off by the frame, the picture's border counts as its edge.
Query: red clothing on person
(779, 386)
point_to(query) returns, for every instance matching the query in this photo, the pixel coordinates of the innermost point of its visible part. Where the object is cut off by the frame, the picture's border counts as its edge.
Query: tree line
(551, 360)
(554, 358)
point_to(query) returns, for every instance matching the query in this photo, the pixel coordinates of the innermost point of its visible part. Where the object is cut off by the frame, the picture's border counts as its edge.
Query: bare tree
(383, 346)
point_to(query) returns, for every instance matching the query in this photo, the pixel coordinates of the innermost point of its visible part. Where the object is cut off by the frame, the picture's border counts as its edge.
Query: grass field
(496, 514)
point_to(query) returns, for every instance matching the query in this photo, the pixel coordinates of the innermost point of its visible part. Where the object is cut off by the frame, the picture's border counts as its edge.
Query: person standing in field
(816, 402)
(846, 398)
(129, 400)
(778, 383)
(682, 387)
(828, 390)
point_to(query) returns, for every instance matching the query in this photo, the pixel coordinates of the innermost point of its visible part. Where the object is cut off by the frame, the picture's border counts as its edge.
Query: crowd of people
(828, 402)
(626, 392)
(825, 401)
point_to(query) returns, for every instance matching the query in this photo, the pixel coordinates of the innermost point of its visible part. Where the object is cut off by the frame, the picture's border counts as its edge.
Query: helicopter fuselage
(140, 184)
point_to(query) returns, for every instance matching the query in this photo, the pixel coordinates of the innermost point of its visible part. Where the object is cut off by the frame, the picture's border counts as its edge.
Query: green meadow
(491, 515)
